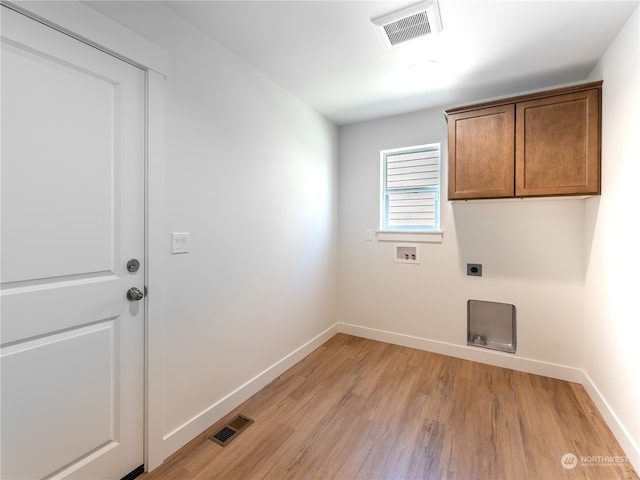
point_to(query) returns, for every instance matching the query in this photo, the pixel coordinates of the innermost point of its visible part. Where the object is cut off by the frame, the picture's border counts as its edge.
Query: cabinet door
(481, 151)
(558, 145)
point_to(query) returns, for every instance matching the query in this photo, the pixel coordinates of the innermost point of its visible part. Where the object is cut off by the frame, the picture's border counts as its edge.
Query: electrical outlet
(368, 235)
(474, 269)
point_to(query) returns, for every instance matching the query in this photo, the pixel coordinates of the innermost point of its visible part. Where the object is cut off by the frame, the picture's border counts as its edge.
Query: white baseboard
(505, 360)
(186, 432)
(622, 435)
(481, 355)
(196, 425)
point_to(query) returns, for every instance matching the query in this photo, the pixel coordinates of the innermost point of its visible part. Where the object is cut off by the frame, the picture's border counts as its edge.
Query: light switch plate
(179, 243)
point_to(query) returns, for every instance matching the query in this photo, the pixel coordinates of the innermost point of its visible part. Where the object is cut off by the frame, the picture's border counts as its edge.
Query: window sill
(420, 237)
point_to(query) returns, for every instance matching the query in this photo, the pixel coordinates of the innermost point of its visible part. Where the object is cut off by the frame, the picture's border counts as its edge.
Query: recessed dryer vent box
(491, 325)
(405, 253)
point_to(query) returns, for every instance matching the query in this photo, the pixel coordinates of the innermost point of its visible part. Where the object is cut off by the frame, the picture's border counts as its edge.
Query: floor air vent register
(231, 430)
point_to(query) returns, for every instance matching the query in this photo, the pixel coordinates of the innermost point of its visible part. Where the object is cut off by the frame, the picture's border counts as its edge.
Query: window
(410, 188)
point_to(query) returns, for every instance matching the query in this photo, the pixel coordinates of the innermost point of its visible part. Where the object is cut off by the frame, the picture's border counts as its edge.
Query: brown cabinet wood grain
(481, 153)
(543, 144)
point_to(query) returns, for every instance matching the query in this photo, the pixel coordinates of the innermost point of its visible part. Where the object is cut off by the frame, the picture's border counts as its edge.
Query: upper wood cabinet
(542, 144)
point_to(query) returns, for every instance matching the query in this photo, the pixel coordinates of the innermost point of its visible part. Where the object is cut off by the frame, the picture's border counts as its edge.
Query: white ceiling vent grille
(411, 22)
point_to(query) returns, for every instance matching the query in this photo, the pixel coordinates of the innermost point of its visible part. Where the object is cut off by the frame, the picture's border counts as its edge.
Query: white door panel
(84, 144)
(33, 368)
(72, 206)
(35, 310)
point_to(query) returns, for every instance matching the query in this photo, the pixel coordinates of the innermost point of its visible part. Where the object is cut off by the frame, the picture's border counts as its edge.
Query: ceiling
(327, 52)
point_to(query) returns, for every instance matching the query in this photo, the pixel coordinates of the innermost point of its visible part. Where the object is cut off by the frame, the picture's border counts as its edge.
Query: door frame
(89, 26)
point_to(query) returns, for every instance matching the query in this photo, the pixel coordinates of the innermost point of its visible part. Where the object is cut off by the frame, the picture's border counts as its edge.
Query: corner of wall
(180, 436)
(611, 355)
(617, 427)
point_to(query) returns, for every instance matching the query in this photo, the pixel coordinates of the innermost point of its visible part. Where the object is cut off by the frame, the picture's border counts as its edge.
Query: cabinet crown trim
(524, 97)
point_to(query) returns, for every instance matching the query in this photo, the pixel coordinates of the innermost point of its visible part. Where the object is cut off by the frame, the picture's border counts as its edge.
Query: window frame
(384, 191)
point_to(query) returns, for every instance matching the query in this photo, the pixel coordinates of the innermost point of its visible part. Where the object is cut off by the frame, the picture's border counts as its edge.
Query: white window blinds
(411, 188)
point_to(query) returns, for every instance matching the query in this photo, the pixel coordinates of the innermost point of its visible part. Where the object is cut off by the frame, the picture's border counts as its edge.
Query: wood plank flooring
(361, 409)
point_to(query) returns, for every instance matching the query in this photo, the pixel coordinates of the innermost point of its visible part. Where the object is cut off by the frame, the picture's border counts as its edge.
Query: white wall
(251, 175)
(612, 286)
(531, 251)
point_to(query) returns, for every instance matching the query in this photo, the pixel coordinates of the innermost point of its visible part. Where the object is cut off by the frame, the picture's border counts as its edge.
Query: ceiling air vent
(408, 23)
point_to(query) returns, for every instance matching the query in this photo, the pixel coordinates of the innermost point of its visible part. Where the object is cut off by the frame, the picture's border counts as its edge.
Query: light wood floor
(361, 409)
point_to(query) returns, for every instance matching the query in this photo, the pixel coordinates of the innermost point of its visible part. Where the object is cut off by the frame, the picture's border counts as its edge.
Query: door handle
(134, 294)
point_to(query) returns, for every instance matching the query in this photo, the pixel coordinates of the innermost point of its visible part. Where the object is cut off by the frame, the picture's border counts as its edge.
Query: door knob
(134, 294)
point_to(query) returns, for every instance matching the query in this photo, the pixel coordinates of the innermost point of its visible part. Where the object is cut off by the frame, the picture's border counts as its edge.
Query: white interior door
(72, 205)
